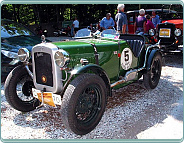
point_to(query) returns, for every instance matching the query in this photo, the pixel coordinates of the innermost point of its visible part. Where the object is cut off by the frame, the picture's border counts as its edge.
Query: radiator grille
(43, 68)
(171, 39)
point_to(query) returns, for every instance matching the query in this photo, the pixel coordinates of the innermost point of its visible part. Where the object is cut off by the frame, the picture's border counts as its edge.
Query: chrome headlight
(9, 54)
(151, 32)
(177, 32)
(61, 58)
(23, 54)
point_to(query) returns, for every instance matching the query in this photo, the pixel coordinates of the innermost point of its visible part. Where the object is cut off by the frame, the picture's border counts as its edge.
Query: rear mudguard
(153, 52)
(80, 69)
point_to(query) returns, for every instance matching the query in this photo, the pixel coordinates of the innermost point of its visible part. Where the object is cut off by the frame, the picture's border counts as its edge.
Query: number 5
(126, 56)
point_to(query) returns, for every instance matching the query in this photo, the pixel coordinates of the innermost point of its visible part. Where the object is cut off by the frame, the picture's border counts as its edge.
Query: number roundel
(126, 58)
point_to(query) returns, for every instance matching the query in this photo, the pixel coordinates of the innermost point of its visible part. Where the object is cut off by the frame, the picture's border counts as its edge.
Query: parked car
(170, 36)
(169, 31)
(79, 75)
(165, 14)
(13, 37)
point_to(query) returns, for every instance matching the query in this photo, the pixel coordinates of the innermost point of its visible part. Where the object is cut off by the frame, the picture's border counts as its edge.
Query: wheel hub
(155, 70)
(27, 88)
(88, 103)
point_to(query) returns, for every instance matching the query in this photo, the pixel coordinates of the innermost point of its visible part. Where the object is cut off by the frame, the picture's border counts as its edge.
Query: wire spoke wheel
(84, 103)
(24, 89)
(156, 70)
(18, 90)
(88, 104)
(151, 78)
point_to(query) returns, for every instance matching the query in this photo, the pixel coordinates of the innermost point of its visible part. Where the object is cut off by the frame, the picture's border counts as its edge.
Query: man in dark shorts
(75, 25)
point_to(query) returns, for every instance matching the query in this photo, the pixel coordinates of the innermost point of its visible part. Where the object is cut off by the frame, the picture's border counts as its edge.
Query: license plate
(48, 97)
(164, 32)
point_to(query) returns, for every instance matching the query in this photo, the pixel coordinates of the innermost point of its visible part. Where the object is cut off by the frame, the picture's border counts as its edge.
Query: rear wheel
(18, 90)
(83, 103)
(152, 77)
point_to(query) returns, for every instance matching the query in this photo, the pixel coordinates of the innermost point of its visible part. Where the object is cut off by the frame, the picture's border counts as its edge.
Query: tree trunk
(48, 10)
(18, 13)
(38, 11)
(14, 12)
(35, 13)
(58, 12)
(62, 7)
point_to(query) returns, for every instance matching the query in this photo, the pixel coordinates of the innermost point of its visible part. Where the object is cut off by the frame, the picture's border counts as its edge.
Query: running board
(130, 75)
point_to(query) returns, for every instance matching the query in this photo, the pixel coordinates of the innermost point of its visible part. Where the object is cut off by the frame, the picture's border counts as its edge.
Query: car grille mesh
(43, 68)
(171, 39)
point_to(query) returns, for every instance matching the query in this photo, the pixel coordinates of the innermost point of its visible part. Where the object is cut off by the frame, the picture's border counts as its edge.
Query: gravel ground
(132, 113)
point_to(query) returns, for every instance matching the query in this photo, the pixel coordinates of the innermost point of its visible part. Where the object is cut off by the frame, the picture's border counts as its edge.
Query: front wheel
(83, 103)
(18, 90)
(151, 78)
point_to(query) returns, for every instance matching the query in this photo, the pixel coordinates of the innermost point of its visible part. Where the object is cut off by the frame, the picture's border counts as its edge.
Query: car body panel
(178, 22)
(108, 51)
(15, 43)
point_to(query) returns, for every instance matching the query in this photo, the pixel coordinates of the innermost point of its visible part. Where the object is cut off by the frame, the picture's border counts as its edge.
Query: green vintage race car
(79, 75)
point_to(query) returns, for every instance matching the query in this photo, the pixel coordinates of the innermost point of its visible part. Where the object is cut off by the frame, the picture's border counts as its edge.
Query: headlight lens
(177, 32)
(23, 54)
(151, 32)
(61, 58)
(9, 54)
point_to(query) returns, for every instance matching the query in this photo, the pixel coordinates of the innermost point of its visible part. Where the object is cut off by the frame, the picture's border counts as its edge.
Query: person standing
(149, 24)
(75, 25)
(121, 20)
(155, 19)
(140, 23)
(107, 22)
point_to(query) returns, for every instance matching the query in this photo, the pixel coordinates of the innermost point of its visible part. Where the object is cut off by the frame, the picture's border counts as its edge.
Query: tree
(30, 14)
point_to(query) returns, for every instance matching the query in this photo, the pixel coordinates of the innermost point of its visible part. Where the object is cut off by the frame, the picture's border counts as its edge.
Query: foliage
(30, 14)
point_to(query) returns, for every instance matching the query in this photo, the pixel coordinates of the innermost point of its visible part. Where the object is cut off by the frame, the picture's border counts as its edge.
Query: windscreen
(83, 33)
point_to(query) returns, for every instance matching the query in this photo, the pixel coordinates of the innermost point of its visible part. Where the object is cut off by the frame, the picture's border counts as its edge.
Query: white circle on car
(126, 58)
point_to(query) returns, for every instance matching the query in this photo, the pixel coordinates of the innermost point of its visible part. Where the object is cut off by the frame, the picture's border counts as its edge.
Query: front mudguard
(84, 68)
(153, 52)
(96, 69)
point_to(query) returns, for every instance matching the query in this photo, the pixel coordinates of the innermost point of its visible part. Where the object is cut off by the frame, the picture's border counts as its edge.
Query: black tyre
(152, 77)
(18, 90)
(84, 103)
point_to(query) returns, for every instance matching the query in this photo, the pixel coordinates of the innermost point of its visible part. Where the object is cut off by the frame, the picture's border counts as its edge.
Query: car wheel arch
(150, 58)
(93, 68)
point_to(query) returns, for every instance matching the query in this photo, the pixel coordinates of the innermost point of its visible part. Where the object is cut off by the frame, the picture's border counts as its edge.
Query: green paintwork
(79, 68)
(108, 54)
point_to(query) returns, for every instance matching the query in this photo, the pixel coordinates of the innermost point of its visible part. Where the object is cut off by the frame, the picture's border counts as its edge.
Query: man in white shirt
(75, 25)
